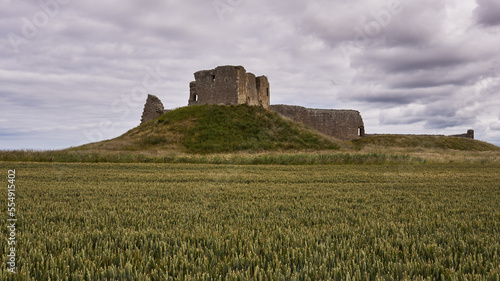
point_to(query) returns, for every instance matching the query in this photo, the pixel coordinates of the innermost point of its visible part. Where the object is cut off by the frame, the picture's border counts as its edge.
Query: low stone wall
(469, 134)
(341, 124)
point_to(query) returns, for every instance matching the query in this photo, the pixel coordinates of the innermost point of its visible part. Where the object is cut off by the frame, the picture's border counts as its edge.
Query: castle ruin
(232, 85)
(229, 85)
(341, 124)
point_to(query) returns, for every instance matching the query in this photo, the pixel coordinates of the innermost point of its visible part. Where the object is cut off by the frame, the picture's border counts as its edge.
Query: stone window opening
(213, 78)
(267, 92)
(361, 132)
(195, 98)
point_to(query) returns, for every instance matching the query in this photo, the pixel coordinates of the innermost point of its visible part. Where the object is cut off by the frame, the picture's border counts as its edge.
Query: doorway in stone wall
(361, 131)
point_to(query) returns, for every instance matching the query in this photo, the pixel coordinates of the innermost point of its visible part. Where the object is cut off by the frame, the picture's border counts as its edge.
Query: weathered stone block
(262, 91)
(152, 109)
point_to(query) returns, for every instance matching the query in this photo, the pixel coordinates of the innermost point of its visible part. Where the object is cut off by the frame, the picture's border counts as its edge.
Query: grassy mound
(214, 129)
(426, 142)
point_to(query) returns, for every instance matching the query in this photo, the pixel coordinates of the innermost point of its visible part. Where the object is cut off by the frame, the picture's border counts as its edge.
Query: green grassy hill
(246, 134)
(424, 142)
(215, 128)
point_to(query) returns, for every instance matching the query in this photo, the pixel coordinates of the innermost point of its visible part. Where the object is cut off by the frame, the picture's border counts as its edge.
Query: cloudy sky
(73, 72)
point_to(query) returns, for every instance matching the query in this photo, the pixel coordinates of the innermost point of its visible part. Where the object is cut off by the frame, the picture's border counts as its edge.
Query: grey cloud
(427, 83)
(488, 12)
(444, 123)
(435, 116)
(386, 23)
(397, 60)
(317, 21)
(434, 79)
(495, 126)
(419, 23)
(390, 98)
(92, 55)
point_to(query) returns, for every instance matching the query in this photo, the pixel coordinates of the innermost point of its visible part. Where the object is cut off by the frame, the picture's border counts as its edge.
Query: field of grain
(255, 222)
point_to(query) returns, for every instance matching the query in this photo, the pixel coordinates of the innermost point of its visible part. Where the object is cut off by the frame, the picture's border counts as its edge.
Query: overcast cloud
(73, 72)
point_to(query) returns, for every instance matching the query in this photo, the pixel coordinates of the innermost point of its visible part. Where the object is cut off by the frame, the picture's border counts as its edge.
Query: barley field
(84, 221)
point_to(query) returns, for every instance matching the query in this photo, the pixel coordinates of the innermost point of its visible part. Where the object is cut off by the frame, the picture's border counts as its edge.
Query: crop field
(409, 221)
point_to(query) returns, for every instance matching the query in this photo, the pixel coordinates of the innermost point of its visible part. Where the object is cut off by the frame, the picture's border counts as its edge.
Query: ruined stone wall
(216, 86)
(262, 85)
(227, 85)
(241, 84)
(469, 134)
(341, 124)
(152, 109)
(251, 90)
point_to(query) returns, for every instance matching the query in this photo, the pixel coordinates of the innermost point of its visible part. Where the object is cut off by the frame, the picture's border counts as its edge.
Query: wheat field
(255, 222)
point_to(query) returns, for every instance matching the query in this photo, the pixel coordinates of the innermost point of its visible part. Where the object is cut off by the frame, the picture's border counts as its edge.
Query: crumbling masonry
(152, 109)
(341, 124)
(229, 85)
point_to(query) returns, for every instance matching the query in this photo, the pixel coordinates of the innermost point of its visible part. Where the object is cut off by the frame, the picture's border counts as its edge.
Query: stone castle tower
(229, 85)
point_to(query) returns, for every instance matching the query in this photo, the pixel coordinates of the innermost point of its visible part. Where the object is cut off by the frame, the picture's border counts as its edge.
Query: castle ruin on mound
(232, 85)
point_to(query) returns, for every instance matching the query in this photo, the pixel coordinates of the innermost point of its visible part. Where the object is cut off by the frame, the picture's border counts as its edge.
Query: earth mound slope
(219, 128)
